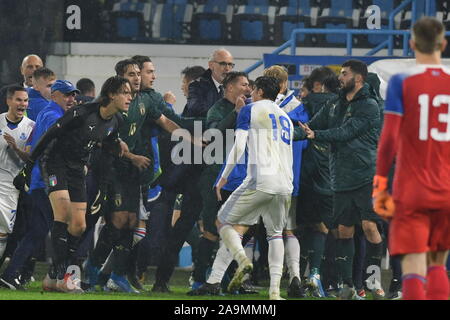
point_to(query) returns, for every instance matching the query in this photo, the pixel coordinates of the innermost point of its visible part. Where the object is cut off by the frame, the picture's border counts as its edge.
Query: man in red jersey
(417, 132)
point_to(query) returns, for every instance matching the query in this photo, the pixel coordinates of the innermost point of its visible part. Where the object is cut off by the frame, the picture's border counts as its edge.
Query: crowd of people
(298, 180)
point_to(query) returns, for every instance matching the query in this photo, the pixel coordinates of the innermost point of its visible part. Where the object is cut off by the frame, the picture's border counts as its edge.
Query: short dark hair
(122, 65)
(357, 67)
(112, 85)
(307, 83)
(141, 60)
(11, 90)
(428, 34)
(320, 74)
(193, 73)
(331, 82)
(232, 76)
(269, 86)
(43, 73)
(85, 85)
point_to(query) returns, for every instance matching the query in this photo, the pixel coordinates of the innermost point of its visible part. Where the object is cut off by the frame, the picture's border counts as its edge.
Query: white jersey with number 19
(269, 147)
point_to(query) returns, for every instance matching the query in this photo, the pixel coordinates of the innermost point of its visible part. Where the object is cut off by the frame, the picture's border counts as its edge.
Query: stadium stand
(257, 22)
(130, 20)
(210, 21)
(294, 14)
(253, 22)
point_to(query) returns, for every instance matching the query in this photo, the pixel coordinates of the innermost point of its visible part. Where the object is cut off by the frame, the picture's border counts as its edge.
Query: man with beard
(352, 126)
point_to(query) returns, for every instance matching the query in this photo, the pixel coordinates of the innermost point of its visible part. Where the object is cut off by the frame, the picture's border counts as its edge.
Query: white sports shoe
(275, 295)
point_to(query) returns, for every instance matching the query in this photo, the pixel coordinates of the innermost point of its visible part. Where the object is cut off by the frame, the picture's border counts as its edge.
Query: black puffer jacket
(352, 128)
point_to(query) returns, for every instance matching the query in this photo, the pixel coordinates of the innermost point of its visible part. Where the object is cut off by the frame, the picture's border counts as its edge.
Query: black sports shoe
(247, 288)
(161, 288)
(395, 290)
(134, 281)
(12, 284)
(295, 289)
(207, 289)
(103, 278)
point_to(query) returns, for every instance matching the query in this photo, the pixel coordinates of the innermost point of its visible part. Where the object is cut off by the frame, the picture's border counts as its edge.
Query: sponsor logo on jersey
(52, 180)
(142, 108)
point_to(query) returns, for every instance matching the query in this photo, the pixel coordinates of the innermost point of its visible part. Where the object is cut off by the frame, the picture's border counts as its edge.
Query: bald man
(206, 90)
(29, 64)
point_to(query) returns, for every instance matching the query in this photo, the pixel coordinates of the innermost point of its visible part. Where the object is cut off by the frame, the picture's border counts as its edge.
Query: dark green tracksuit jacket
(315, 160)
(352, 128)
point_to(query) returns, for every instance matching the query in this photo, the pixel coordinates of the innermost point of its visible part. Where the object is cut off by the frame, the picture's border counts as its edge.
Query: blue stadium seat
(210, 20)
(253, 24)
(333, 40)
(130, 20)
(340, 10)
(172, 20)
(297, 14)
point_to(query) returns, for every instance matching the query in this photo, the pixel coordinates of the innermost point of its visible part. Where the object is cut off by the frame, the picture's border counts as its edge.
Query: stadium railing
(390, 33)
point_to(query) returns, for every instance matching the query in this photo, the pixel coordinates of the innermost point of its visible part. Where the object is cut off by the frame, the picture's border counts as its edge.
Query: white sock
(249, 248)
(233, 242)
(276, 256)
(220, 265)
(3, 242)
(249, 253)
(292, 256)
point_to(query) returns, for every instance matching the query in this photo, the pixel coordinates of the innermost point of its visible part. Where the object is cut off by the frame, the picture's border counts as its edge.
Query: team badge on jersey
(23, 136)
(109, 131)
(142, 108)
(118, 200)
(52, 180)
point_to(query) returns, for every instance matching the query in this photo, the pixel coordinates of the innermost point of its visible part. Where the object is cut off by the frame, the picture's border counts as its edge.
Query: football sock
(306, 242)
(72, 244)
(437, 283)
(396, 267)
(374, 254)
(60, 247)
(413, 287)
(275, 257)
(317, 249)
(205, 250)
(233, 240)
(109, 234)
(292, 255)
(121, 252)
(107, 266)
(3, 242)
(138, 235)
(220, 265)
(249, 246)
(345, 250)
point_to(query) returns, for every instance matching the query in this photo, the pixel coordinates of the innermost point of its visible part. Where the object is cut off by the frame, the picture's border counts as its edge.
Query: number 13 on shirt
(438, 100)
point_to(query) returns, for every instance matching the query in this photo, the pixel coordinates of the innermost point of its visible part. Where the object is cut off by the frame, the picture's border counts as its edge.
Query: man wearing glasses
(207, 89)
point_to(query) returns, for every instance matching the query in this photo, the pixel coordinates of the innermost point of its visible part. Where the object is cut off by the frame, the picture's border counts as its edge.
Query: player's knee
(119, 219)
(210, 236)
(132, 221)
(77, 228)
(345, 232)
(320, 227)
(370, 229)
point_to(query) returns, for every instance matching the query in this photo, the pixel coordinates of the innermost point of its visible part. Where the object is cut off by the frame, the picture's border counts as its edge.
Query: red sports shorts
(414, 230)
